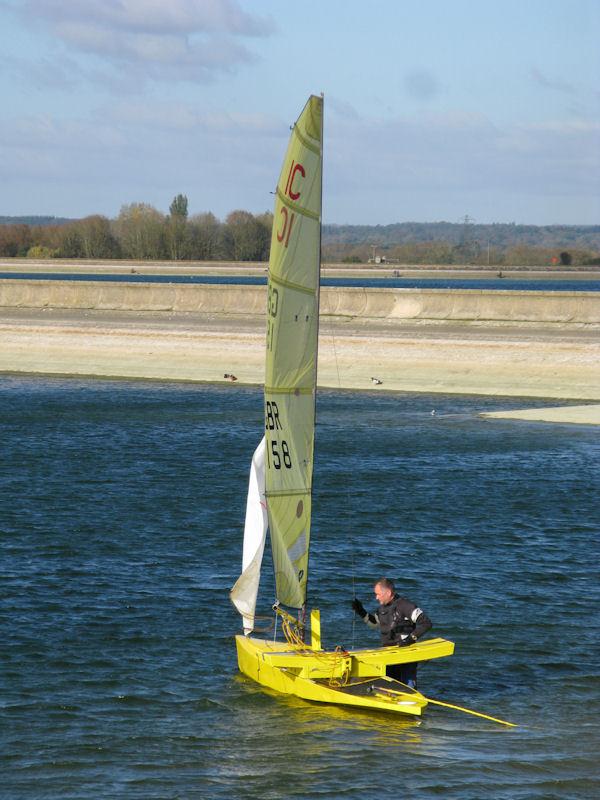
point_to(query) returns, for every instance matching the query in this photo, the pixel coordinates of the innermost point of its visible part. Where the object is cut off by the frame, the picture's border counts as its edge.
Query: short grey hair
(386, 583)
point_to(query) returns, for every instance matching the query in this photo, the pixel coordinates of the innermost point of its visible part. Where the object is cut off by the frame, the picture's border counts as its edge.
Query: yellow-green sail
(291, 364)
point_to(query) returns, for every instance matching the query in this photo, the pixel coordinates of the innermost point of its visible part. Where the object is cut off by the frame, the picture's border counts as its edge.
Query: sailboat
(279, 493)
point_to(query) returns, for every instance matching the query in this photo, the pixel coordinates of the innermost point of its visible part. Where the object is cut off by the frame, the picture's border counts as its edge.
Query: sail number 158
(279, 456)
(278, 453)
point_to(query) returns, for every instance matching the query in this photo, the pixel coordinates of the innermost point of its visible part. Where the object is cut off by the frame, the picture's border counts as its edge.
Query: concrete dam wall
(336, 302)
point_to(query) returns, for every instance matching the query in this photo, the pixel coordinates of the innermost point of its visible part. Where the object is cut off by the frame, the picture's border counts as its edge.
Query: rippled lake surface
(122, 506)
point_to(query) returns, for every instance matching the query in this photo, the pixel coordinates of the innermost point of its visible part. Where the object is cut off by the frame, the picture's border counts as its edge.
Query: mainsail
(291, 373)
(291, 361)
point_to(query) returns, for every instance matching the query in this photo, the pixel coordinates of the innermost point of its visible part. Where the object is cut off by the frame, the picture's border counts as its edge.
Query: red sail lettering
(287, 186)
(281, 233)
(295, 169)
(286, 228)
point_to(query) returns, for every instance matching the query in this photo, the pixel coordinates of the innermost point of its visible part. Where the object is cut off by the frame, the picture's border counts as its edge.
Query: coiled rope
(293, 636)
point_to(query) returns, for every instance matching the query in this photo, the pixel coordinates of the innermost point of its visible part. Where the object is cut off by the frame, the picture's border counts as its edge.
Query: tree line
(498, 234)
(141, 232)
(440, 243)
(471, 253)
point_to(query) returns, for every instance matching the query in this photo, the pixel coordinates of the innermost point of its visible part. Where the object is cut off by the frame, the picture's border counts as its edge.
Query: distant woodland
(464, 243)
(141, 232)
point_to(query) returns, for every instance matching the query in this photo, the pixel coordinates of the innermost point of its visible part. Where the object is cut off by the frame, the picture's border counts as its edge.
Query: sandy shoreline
(575, 415)
(558, 363)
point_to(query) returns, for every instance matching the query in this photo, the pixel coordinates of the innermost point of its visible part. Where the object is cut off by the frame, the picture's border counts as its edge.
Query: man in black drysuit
(400, 623)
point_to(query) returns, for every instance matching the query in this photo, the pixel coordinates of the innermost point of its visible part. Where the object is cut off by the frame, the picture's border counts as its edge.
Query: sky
(433, 110)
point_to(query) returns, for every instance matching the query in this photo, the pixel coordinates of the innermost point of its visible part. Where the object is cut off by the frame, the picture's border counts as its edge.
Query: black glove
(358, 608)
(410, 639)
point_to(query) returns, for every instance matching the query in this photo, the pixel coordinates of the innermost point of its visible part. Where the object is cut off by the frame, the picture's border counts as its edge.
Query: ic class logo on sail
(292, 190)
(296, 175)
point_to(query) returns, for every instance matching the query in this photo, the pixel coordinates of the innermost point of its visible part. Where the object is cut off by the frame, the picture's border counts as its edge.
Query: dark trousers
(405, 673)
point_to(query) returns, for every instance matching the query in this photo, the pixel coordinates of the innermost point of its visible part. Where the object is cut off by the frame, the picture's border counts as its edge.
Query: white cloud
(192, 40)
(443, 166)
(176, 16)
(376, 171)
(139, 152)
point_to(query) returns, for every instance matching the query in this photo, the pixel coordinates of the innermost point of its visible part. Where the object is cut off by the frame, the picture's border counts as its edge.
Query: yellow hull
(353, 678)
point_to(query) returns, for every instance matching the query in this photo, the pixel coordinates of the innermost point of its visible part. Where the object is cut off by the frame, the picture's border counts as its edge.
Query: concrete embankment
(459, 305)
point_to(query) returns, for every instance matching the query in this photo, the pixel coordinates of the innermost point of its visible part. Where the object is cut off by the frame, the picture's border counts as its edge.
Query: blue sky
(433, 110)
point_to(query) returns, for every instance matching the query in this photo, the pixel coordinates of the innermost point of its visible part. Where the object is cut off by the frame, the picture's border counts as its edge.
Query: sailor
(400, 623)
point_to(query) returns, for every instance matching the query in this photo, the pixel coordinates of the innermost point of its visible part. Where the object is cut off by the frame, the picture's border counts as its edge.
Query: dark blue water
(121, 514)
(554, 285)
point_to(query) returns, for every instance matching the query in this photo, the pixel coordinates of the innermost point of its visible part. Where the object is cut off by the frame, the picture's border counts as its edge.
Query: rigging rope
(347, 505)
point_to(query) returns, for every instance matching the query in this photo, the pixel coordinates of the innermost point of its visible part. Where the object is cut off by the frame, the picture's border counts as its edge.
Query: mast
(302, 615)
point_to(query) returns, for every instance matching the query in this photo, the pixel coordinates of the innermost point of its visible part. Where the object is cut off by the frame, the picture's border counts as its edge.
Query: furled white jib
(245, 590)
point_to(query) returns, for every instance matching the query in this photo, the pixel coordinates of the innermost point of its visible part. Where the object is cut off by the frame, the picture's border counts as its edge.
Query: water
(486, 284)
(122, 505)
